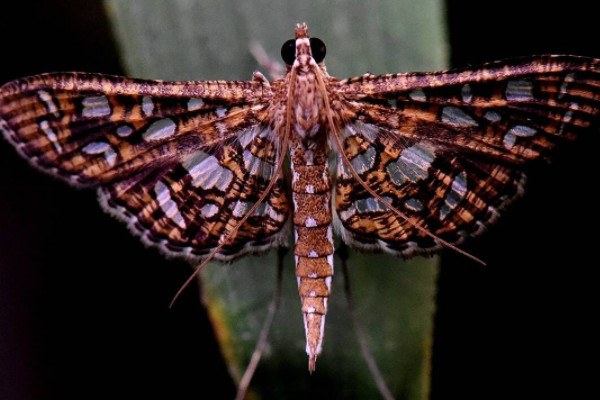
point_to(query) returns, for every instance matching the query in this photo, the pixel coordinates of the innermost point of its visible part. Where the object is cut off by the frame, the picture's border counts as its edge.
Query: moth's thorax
(308, 134)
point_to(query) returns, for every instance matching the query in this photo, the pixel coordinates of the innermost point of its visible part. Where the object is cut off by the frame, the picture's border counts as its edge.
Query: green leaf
(185, 39)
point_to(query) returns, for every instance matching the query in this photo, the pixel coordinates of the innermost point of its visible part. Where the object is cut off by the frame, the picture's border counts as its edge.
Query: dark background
(520, 327)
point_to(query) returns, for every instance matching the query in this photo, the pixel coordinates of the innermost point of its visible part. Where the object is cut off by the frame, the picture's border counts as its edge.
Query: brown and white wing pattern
(449, 149)
(179, 162)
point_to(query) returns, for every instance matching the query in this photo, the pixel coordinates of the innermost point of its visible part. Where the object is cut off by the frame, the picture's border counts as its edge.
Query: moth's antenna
(229, 236)
(346, 161)
(274, 68)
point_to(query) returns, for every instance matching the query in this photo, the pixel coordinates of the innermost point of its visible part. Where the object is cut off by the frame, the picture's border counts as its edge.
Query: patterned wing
(179, 162)
(449, 149)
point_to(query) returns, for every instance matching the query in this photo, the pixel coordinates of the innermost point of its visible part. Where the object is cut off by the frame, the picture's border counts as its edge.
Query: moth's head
(301, 50)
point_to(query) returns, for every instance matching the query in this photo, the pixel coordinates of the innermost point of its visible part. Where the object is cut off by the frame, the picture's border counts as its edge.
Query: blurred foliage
(187, 39)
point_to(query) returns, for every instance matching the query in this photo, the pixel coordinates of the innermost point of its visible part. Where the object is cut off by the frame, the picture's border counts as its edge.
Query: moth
(406, 164)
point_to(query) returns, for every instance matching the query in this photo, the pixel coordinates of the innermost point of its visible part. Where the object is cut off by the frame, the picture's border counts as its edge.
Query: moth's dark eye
(318, 49)
(288, 51)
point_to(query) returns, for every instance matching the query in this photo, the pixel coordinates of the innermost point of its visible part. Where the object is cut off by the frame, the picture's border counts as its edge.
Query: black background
(520, 327)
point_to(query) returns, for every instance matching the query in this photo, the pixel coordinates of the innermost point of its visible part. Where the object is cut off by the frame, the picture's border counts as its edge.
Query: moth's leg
(342, 253)
(264, 333)
(259, 77)
(274, 69)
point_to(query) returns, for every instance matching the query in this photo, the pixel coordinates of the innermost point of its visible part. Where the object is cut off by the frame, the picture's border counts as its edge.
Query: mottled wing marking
(448, 149)
(177, 161)
(193, 205)
(53, 118)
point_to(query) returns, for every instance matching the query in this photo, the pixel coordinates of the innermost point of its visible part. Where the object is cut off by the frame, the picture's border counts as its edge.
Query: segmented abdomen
(311, 186)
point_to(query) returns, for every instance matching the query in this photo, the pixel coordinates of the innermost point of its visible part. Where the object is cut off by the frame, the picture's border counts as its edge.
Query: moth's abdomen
(311, 186)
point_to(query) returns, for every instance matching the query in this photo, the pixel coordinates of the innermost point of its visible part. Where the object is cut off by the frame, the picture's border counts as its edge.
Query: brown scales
(419, 155)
